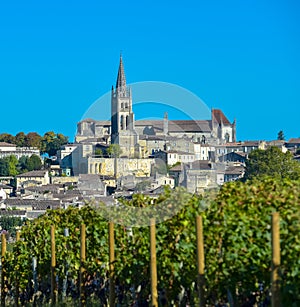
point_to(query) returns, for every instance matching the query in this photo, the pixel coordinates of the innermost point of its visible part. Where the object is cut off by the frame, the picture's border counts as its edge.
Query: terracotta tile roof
(35, 204)
(240, 153)
(177, 125)
(294, 140)
(251, 143)
(40, 173)
(4, 144)
(234, 170)
(48, 187)
(189, 126)
(176, 168)
(219, 117)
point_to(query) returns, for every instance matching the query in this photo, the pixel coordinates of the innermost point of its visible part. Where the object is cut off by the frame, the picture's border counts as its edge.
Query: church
(141, 140)
(132, 135)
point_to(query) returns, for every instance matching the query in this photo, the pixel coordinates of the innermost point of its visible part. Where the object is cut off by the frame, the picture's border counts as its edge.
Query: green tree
(20, 139)
(22, 164)
(33, 139)
(8, 138)
(62, 138)
(114, 150)
(52, 142)
(4, 167)
(271, 162)
(9, 223)
(12, 163)
(98, 152)
(280, 136)
(33, 163)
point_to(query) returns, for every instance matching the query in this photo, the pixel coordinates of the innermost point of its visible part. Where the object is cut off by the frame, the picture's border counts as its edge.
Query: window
(122, 122)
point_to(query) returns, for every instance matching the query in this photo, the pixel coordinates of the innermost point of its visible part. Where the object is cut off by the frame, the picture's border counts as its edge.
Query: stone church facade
(142, 138)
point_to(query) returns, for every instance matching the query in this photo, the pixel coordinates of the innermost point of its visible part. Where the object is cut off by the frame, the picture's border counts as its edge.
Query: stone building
(7, 149)
(33, 178)
(143, 140)
(125, 131)
(122, 117)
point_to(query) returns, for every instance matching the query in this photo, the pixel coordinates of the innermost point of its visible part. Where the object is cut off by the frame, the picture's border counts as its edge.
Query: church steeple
(122, 116)
(121, 79)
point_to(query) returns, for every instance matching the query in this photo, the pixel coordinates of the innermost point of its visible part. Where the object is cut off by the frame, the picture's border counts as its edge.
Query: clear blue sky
(58, 57)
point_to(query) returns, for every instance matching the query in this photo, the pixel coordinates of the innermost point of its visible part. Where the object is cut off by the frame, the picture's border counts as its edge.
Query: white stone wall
(123, 166)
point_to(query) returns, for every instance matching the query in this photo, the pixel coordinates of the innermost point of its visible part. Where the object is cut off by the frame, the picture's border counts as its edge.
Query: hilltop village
(123, 156)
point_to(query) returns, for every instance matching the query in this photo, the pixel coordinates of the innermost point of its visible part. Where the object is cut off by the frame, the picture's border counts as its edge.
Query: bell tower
(122, 116)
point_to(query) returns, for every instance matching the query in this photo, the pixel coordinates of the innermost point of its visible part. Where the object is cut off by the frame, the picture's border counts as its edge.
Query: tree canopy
(49, 143)
(280, 136)
(8, 166)
(114, 150)
(11, 166)
(271, 162)
(52, 142)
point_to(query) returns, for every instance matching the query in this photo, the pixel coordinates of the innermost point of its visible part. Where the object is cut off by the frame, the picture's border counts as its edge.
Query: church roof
(189, 125)
(178, 125)
(121, 79)
(219, 117)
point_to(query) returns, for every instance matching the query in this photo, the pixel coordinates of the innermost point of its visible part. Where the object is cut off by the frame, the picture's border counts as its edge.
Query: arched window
(227, 137)
(127, 122)
(203, 139)
(122, 122)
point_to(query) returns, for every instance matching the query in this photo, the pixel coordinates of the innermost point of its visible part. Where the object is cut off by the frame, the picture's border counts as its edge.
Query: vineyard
(237, 268)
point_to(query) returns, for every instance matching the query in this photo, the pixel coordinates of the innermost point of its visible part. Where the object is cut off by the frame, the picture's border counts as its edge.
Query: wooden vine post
(111, 246)
(82, 266)
(65, 280)
(17, 294)
(3, 270)
(200, 260)
(153, 268)
(53, 264)
(275, 260)
(18, 236)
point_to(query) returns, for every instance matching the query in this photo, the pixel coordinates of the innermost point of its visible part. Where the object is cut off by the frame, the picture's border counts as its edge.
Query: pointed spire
(121, 80)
